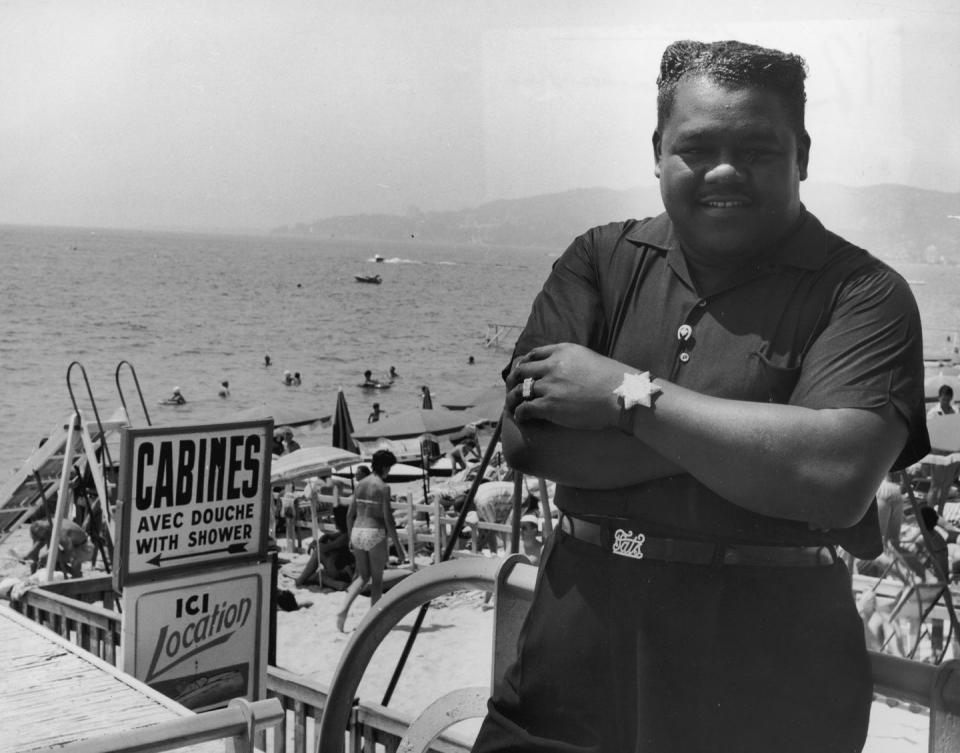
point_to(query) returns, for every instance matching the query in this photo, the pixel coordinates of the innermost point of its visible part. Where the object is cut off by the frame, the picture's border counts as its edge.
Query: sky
(251, 114)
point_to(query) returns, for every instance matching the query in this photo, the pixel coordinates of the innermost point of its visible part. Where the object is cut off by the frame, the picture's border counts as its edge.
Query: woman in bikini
(370, 522)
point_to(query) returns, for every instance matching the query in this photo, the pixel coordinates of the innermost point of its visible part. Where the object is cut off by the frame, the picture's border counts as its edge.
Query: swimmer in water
(224, 389)
(266, 360)
(177, 397)
(368, 379)
(287, 378)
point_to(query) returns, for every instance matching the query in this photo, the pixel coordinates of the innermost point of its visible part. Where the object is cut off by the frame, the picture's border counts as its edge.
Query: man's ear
(656, 154)
(803, 154)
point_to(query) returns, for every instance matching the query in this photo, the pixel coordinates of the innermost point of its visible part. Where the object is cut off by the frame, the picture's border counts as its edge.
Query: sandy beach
(452, 650)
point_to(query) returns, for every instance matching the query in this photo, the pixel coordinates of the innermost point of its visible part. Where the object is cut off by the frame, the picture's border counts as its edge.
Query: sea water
(190, 310)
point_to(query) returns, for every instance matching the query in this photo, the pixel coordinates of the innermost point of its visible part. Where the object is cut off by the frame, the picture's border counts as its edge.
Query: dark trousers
(621, 655)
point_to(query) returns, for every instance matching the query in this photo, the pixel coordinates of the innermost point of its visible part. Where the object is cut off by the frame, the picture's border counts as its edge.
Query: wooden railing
(67, 609)
(370, 725)
(96, 629)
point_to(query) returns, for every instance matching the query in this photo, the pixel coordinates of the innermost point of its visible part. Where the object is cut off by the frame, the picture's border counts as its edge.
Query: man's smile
(726, 202)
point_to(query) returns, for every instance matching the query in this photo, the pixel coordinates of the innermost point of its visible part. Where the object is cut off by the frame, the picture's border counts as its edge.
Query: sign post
(192, 521)
(200, 639)
(192, 497)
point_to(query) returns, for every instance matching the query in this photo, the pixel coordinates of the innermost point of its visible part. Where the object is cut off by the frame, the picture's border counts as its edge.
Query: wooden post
(438, 532)
(518, 489)
(53, 549)
(96, 472)
(411, 532)
(545, 508)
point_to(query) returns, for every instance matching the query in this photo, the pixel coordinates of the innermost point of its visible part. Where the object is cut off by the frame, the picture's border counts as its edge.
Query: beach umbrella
(489, 410)
(283, 415)
(469, 398)
(342, 425)
(310, 461)
(399, 472)
(944, 438)
(428, 448)
(417, 423)
(944, 456)
(404, 433)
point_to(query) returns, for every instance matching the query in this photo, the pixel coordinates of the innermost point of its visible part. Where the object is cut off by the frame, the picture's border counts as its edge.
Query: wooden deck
(53, 693)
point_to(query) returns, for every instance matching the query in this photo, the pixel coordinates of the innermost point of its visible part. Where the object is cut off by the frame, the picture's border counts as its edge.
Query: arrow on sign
(232, 549)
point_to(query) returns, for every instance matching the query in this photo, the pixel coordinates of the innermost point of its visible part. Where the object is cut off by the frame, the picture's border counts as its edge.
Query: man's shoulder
(833, 256)
(654, 231)
(627, 236)
(840, 249)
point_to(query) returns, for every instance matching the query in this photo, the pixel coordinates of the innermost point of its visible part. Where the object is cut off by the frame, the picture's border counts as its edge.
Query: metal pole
(447, 551)
(942, 576)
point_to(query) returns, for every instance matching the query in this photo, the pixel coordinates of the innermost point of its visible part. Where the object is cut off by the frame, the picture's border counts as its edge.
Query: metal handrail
(136, 382)
(96, 413)
(448, 551)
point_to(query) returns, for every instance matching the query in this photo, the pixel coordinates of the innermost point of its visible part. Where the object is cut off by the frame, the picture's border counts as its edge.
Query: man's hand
(573, 387)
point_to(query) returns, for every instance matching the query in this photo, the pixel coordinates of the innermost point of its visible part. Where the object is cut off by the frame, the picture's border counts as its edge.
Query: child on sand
(74, 547)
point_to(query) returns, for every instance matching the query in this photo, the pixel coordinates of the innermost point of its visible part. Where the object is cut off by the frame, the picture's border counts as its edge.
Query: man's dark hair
(382, 460)
(945, 389)
(736, 65)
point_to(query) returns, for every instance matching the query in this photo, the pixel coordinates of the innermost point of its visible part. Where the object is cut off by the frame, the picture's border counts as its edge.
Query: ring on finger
(527, 389)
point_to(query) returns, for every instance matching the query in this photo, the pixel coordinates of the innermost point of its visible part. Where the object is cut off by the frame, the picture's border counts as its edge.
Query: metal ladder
(99, 465)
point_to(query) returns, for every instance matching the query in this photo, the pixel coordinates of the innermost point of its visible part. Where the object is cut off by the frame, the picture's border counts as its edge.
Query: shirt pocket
(778, 378)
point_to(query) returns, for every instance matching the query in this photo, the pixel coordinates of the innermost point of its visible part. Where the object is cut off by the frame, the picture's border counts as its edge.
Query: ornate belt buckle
(628, 544)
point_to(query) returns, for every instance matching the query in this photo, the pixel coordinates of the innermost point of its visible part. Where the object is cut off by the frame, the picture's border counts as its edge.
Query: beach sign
(200, 639)
(192, 497)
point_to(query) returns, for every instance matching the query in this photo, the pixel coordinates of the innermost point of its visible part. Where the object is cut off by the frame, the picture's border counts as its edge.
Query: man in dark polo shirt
(718, 392)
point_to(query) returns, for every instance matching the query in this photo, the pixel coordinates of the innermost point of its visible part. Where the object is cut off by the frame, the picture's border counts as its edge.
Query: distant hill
(894, 222)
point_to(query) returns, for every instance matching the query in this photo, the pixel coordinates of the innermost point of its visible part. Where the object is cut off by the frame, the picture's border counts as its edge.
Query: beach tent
(283, 415)
(491, 409)
(404, 431)
(460, 399)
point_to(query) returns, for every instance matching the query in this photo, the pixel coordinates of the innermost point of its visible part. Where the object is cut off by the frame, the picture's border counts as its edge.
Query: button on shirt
(816, 322)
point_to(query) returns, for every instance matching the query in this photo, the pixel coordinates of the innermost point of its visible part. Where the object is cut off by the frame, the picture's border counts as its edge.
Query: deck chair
(919, 602)
(513, 579)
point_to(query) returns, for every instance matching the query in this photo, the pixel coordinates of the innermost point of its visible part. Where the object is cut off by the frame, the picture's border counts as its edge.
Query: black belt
(622, 538)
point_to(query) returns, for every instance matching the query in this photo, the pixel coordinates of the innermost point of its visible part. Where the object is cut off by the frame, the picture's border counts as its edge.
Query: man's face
(729, 164)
